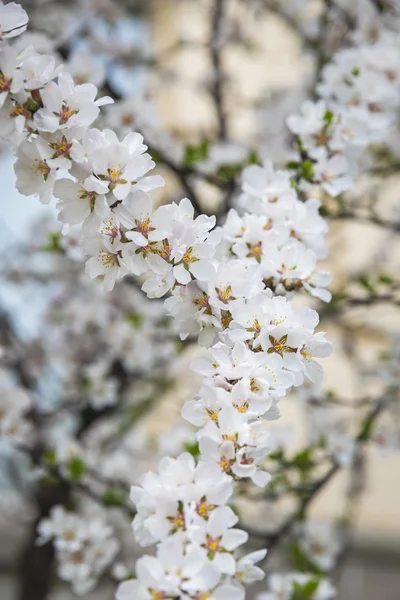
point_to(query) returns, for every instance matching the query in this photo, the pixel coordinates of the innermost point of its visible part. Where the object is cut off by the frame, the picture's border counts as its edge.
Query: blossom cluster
(85, 547)
(359, 95)
(183, 508)
(231, 285)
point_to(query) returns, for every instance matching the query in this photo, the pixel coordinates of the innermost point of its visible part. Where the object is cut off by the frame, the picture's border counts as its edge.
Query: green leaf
(113, 497)
(50, 457)
(301, 562)
(195, 153)
(366, 430)
(304, 591)
(54, 243)
(292, 165)
(328, 117)
(228, 172)
(192, 448)
(385, 279)
(76, 468)
(32, 105)
(253, 158)
(277, 455)
(155, 155)
(366, 283)
(135, 319)
(307, 170)
(323, 211)
(303, 460)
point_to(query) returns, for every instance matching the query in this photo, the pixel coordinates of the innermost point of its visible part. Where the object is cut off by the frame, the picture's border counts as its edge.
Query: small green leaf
(50, 457)
(195, 153)
(386, 279)
(113, 497)
(307, 170)
(192, 448)
(301, 562)
(328, 117)
(303, 460)
(253, 158)
(76, 468)
(366, 283)
(54, 243)
(135, 319)
(292, 164)
(304, 591)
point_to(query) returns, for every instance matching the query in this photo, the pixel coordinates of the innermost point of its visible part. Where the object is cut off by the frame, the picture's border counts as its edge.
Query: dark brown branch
(218, 74)
(275, 538)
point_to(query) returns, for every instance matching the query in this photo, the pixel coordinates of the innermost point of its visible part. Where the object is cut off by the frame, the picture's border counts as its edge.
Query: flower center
(201, 300)
(254, 385)
(212, 414)
(5, 83)
(114, 175)
(65, 113)
(144, 225)
(226, 318)
(213, 544)
(40, 167)
(255, 250)
(224, 294)
(165, 251)
(225, 464)
(242, 408)
(177, 521)
(203, 508)
(61, 148)
(110, 230)
(108, 259)
(188, 256)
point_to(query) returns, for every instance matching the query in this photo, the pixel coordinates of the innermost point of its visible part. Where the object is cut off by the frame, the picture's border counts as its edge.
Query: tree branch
(363, 436)
(216, 60)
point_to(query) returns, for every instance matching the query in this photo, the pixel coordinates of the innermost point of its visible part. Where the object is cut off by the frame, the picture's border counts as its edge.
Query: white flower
(311, 119)
(246, 571)
(282, 586)
(13, 20)
(320, 543)
(237, 446)
(120, 166)
(81, 201)
(66, 105)
(263, 184)
(105, 260)
(34, 175)
(85, 546)
(218, 538)
(164, 499)
(175, 570)
(59, 149)
(37, 69)
(332, 172)
(293, 266)
(315, 346)
(11, 80)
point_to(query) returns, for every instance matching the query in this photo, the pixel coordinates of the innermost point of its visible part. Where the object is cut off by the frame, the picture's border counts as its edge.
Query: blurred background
(184, 77)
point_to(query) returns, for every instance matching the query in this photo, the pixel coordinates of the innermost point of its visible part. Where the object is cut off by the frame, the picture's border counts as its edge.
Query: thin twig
(216, 60)
(274, 539)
